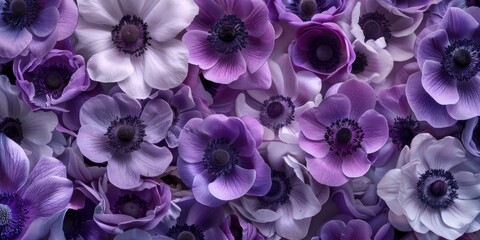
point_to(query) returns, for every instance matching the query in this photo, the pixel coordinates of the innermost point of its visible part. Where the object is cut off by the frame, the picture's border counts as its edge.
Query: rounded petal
(355, 165)
(439, 85)
(432, 47)
(45, 22)
(102, 68)
(48, 195)
(458, 24)
(191, 143)
(388, 189)
(304, 202)
(12, 43)
(228, 69)
(99, 112)
(135, 85)
(94, 144)
(327, 170)
(333, 108)
(157, 116)
(375, 130)
(188, 171)
(121, 173)
(100, 12)
(14, 165)
(201, 192)
(469, 96)
(200, 51)
(38, 126)
(233, 185)
(259, 49)
(151, 160)
(361, 96)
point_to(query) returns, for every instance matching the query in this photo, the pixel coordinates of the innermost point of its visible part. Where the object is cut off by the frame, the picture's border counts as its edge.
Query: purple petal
(356, 165)
(183, 99)
(188, 171)
(263, 179)
(327, 170)
(468, 185)
(259, 49)
(67, 20)
(333, 108)
(233, 185)
(192, 144)
(151, 160)
(45, 22)
(201, 53)
(127, 105)
(458, 24)
(48, 195)
(14, 165)
(310, 127)
(109, 15)
(361, 96)
(290, 228)
(261, 79)
(94, 144)
(218, 126)
(228, 69)
(257, 20)
(201, 190)
(99, 112)
(432, 47)
(209, 12)
(304, 202)
(375, 128)
(424, 107)
(121, 173)
(157, 116)
(101, 68)
(12, 43)
(134, 85)
(333, 230)
(240, 8)
(467, 106)
(318, 149)
(357, 229)
(438, 84)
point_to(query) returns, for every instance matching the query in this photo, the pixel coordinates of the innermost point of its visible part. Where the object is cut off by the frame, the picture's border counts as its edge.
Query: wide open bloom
(230, 38)
(133, 42)
(25, 195)
(449, 60)
(279, 108)
(118, 131)
(34, 26)
(340, 132)
(433, 188)
(322, 48)
(219, 160)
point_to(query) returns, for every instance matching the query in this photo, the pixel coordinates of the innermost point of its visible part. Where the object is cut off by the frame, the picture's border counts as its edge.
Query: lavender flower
(218, 159)
(340, 132)
(230, 38)
(431, 191)
(140, 36)
(26, 196)
(34, 26)
(118, 131)
(353, 229)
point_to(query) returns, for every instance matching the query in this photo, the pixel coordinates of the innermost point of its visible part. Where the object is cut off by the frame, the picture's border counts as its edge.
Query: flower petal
(102, 68)
(94, 144)
(14, 165)
(327, 170)
(200, 51)
(355, 165)
(375, 130)
(233, 185)
(432, 47)
(45, 22)
(99, 112)
(228, 69)
(157, 116)
(201, 192)
(135, 85)
(151, 160)
(121, 173)
(304, 202)
(48, 195)
(439, 85)
(458, 24)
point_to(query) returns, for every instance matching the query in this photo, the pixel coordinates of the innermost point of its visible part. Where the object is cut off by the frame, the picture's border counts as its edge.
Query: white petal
(110, 65)
(134, 85)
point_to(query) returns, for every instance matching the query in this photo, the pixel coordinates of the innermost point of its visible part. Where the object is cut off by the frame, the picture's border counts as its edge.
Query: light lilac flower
(449, 60)
(32, 130)
(279, 108)
(306, 10)
(230, 38)
(293, 199)
(28, 196)
(34, 26)
(49, 82)
(391, 30)
(140, 37)
(323, 49)
(340, 133)
(433, 188)
(118, 131)
(219, 160)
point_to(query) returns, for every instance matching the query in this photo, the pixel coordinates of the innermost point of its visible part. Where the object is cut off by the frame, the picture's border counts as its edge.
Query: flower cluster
(239, 119)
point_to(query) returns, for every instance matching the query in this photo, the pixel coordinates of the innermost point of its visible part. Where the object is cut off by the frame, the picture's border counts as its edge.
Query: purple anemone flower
(324, 49)
(26, 196)
(219, 160)
(279, 108)
(142, 207)
(118, 131)
(49, 82)
(340, 133)
(34, 26)
(230, 38)
(306, 10)
(235, 228)
(449, 60)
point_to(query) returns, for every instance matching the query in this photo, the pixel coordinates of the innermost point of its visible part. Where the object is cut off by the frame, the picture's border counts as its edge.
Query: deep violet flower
(279, 108)
(140, 36)
(230, 38)
(341, 131)
(219, 160)
(306, 10)
(49, 82)
(433, 188)
(32, 130)
(34, 26)
(26, 196)
(323, 49)
(118, 131)
(353, 229)
(449, 59)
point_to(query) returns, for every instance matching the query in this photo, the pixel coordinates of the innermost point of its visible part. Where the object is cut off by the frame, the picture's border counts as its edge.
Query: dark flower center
(20, 13)
(228, 35)
(305, 9)
(235, 227)
(404, 130)
(185, 232)
(375, 26)
(131, 205)
(476, 135)
(472, 3)
(12, 128)
(126, 134)
(437, 188)
(209, 86)
(73, 224)
(276, 112)
(279, 192)
(51, 80)
(131, 35)
(360, 63)
(324, 53)
(344, 137)
(13, 215)
(461, 59)
(220, 157)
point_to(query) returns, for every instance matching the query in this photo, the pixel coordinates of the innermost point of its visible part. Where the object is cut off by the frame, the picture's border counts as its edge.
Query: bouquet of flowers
(239, 119)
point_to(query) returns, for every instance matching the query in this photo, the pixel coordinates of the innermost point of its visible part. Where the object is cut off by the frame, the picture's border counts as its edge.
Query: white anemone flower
(132, 42)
